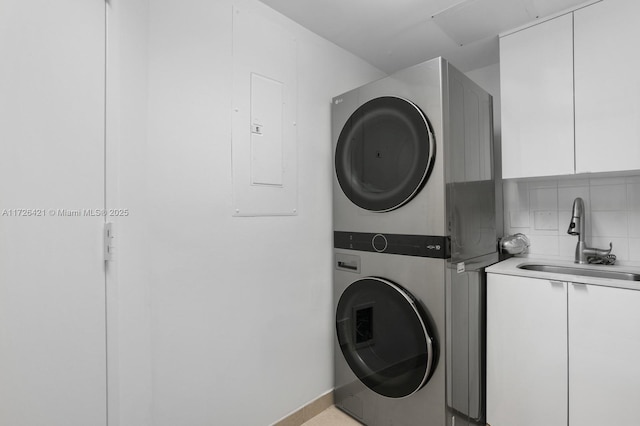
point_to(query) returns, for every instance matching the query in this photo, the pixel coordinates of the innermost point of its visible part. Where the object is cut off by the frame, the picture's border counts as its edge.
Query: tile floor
(331, 417)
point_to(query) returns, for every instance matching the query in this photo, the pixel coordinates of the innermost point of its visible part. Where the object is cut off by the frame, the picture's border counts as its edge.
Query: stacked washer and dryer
(414, 228)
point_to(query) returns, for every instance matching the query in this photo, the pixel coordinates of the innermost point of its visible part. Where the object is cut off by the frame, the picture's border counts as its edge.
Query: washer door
(384, 336)
(384, 154)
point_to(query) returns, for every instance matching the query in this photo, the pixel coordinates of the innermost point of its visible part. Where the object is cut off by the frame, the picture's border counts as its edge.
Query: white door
(607, 87)
(604, 343)
(536, 78)
(52, 278)
(526, 351)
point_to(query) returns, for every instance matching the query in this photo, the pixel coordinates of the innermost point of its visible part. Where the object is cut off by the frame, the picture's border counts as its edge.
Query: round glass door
(384, 154)
(384, 335)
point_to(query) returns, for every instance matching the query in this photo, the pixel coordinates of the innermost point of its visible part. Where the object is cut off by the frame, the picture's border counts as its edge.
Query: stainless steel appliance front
(414, 203)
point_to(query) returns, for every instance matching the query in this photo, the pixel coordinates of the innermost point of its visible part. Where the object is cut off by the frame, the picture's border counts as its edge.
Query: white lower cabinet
(561, 353)
(526, 352)
(604, 356)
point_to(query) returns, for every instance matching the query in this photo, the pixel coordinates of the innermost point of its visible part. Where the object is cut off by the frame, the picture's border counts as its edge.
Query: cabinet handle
(580, 287)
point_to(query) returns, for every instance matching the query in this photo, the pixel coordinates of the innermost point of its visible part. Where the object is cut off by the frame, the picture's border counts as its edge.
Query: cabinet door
(52, 278)
(536, 79)
(604, 348)
(526, 352)
(607, 86)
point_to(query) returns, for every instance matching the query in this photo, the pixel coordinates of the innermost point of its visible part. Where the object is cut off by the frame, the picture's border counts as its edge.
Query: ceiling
(395, 34)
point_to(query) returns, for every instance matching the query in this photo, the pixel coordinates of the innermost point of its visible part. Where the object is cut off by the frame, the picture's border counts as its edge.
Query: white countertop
(510, 267)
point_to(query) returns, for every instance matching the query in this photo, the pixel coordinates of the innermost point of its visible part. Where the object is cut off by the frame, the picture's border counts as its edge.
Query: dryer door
(385, 337)
(384, 154)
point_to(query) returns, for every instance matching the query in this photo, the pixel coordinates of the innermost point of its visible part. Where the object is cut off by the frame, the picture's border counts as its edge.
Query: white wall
(128, 298)
(241, 307)
(541, 209)
(234, 313)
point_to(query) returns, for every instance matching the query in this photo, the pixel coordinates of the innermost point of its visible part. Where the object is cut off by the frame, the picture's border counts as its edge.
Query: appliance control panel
(408, 245)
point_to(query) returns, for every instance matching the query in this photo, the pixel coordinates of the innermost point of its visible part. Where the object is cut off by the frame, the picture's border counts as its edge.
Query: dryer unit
(414, 226)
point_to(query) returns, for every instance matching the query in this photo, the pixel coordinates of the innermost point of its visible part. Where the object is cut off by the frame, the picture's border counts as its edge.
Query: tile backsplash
(541, 209)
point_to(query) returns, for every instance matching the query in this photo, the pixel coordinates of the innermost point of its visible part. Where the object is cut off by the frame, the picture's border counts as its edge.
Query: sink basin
(596, 273)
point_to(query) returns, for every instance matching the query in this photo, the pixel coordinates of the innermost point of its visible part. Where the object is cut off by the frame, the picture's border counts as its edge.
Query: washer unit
(414, 226)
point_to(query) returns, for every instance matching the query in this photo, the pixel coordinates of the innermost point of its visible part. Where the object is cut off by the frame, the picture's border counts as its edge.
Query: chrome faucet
(576, 227)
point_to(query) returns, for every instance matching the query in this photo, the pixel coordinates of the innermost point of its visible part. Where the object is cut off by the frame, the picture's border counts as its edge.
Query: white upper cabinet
(607, 86)
(536, 77)
(570, 93)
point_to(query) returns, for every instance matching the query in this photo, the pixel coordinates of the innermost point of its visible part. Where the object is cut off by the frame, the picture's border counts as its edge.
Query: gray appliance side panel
(469, 128)
(470, 186)
(466, 340)
(471, 220)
